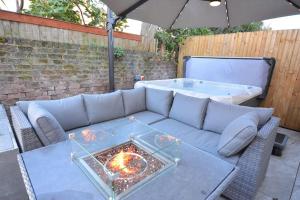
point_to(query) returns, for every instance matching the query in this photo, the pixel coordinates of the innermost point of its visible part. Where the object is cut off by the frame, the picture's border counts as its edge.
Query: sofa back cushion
(238, 134)
(104, 107)
(159, 101)
(46, 126)
(219, 115)
(134, 100)
(23, 105)
(69, 112)
(189, 110)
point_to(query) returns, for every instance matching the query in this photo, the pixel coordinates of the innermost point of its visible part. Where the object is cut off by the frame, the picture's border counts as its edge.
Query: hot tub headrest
(246, 71)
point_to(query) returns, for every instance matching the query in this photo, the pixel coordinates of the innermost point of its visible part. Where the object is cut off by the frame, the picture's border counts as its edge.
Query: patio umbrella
(202, 13)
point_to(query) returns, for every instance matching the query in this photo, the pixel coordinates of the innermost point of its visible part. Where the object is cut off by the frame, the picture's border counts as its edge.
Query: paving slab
(280, 179)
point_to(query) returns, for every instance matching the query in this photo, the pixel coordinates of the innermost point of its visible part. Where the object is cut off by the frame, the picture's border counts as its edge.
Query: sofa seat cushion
(148, 117)
(45, 125)
(219, 115)
(107, 125)
(204, 140)
(104, 130)
(189, 110)
(238, 134)
(173, 127)
(207, 141)
(159, 101)
(104, 107)
(134, 100)
(114, 131)
(69, 112)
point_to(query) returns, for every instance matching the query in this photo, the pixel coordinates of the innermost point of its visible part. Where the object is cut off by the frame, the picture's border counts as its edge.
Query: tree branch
(81, 13)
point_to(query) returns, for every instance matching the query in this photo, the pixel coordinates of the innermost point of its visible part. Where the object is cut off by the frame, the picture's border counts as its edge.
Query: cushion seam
(159, 120)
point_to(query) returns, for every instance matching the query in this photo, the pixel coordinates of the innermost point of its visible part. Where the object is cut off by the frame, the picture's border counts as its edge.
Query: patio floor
(282, 180)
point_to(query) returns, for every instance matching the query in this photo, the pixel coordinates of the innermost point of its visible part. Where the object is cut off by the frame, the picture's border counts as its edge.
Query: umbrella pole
(110, 25)
(111, 22)
(110, 30)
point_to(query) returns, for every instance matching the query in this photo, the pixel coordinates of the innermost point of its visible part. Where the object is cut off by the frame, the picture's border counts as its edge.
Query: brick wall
(41, 69)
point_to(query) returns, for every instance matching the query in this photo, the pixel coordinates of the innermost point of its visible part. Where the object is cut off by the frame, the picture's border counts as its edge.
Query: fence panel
(284, 45)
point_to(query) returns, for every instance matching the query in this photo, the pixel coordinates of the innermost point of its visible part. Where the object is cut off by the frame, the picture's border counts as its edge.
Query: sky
(291, 22)
(134, 26)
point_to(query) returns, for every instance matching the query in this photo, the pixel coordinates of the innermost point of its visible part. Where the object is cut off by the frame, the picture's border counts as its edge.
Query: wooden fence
(39, 28)
(284, 92)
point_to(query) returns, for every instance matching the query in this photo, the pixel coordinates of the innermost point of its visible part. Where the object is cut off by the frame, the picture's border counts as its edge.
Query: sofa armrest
(269, 129)
(7, 138)
(25, 133)
(253, 163)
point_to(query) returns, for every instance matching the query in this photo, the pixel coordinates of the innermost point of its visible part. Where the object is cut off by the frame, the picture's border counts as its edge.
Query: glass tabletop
(123, 155)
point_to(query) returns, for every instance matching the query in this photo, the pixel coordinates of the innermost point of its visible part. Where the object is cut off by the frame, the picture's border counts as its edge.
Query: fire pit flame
(126, 164)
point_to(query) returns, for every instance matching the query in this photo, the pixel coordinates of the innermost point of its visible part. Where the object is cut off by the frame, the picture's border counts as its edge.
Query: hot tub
(218, 91)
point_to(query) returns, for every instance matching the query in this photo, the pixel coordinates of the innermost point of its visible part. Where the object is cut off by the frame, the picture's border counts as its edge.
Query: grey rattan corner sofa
(200, 127)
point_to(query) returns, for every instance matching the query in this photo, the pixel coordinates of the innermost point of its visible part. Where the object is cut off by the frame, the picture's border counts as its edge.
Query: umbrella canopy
(201, 13)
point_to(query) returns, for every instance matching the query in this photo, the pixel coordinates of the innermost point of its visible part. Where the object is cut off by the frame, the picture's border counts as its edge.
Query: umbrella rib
(123, 14)
(293, 4)
(179, 14)
(227, 13)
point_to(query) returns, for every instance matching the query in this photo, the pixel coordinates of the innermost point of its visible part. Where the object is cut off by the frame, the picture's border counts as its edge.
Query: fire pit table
(123, 158)
(130, 161)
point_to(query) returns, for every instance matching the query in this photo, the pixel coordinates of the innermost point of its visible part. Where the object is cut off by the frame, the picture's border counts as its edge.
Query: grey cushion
(104, 107)
(23, 105)
(148, 117)
(204, 140)
(116, 130)
(207, 141)
(112, 132)
(159, 101)
(69, 112)
(189, 110)
(219, 115)
(98, 127)
(173, 127)
(46, 126)
(238, 134)
(134, 100)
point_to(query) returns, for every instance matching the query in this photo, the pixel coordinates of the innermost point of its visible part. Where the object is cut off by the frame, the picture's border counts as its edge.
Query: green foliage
(54, 9)
(170, 40)
(3, 40)
(119, 52)
(85, 12)
(251, 27)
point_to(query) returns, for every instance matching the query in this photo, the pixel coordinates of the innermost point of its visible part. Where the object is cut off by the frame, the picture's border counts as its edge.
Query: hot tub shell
(218, 91)
(236, 80)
